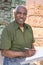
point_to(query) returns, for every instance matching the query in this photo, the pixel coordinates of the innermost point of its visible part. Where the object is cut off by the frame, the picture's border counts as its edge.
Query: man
(17, 39)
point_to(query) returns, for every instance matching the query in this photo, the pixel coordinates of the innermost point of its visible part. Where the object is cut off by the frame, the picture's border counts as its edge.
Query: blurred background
(34, 18)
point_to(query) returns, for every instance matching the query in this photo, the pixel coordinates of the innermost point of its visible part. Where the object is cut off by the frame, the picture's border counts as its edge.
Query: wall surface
(1, 59)
(35, 19)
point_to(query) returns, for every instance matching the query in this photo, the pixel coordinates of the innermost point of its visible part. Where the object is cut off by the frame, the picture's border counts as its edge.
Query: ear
(14, 13)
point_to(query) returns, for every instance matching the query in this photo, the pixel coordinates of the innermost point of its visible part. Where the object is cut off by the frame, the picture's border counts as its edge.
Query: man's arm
(12, 54)
(30, 52)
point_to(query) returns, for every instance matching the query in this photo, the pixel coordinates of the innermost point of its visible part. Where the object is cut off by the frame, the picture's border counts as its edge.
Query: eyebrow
(21, 12)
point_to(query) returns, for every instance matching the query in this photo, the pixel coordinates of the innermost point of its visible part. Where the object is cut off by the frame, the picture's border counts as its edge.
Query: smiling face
(20, 15)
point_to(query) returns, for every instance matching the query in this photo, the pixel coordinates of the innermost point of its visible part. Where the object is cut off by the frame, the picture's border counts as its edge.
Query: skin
(20, 17)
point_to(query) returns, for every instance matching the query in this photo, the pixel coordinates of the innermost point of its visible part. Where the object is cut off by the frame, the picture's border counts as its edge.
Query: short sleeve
(33, 39)
(5, 39)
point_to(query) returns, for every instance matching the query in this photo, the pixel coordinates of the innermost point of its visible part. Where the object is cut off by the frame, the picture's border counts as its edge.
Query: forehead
(21, 9)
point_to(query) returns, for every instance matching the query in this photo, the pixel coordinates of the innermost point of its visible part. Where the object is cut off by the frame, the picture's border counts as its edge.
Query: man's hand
(29, 52)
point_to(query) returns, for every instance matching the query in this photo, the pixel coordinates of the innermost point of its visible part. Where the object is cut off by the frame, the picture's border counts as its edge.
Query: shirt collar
(17, 26)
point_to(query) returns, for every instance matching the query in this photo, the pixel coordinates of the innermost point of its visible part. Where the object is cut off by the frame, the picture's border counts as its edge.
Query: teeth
(21, 19)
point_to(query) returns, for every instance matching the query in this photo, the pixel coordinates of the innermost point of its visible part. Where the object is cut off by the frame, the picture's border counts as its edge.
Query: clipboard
(37, 56)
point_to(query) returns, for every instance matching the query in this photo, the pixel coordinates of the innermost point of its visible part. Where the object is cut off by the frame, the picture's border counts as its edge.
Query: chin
(21, 23)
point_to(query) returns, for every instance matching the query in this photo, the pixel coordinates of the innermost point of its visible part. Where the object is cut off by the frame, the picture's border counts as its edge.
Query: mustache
(21, 17)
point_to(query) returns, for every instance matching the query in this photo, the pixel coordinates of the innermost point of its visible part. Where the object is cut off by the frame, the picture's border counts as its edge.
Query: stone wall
(35, 18)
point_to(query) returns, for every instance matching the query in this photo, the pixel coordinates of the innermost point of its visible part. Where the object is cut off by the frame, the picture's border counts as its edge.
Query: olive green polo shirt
(13, 38)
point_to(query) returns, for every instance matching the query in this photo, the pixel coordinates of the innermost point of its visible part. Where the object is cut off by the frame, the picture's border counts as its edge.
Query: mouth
(21, 20)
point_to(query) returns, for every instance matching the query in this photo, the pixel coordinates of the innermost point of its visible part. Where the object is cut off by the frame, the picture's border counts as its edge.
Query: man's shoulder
(11, 24)
(27, 25)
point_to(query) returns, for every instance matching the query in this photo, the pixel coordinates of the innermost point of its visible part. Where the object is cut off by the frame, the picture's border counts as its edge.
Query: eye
(18, 12)
(25, 13)
(22, 13)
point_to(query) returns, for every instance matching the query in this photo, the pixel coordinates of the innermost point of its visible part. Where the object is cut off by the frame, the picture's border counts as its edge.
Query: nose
(22, 15)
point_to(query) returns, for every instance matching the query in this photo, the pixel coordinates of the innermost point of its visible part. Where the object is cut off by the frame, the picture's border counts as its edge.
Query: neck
(21, 25)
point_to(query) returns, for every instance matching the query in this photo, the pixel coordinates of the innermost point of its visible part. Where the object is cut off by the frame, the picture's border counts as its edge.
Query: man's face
(20, 15)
